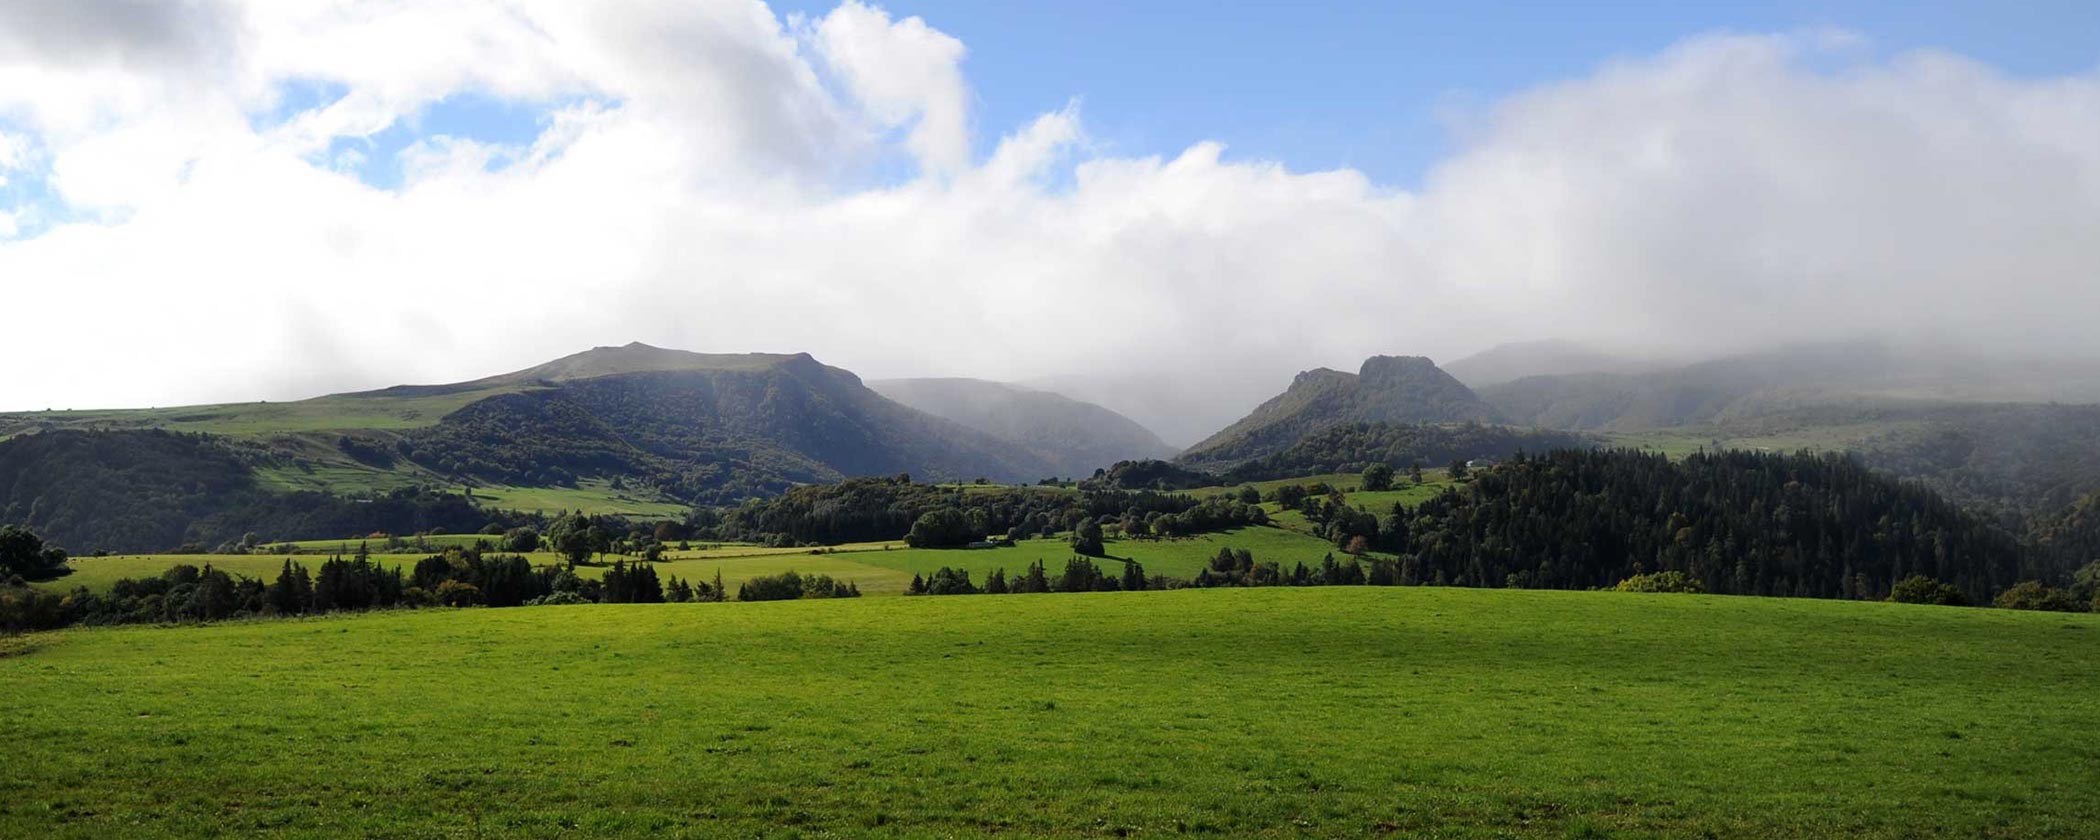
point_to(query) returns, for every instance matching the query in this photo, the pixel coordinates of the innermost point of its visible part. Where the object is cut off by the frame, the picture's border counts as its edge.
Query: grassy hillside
(627, 431)
(1281, 712)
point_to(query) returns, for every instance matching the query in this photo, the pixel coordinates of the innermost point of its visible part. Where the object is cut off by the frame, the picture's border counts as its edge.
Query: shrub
(788, 586)
(944, 528)
(1661, 582)
(557, 599)
(453, 593)
(2033, 595)
(23, 609)
(1919, 589)
(417, 597)
(24, 553)
(521, 539)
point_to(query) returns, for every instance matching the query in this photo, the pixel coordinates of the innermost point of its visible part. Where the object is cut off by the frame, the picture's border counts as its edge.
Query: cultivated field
(1274, 712)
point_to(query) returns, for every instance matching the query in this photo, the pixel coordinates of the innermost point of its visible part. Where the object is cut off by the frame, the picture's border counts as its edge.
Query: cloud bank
(182, 217)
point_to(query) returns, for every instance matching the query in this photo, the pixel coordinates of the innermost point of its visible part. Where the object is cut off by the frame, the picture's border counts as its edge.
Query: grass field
(879, 568)
(349, 546)
(1279, 712)
(592, 496)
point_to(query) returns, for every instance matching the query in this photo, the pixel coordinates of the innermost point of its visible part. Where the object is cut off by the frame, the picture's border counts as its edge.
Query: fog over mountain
(722, 177)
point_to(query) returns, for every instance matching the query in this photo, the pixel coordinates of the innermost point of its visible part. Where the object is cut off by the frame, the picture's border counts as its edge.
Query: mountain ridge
(1385, 389)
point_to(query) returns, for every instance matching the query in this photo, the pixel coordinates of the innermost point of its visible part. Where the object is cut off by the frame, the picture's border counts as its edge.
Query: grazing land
(593, 497)
(1180, 558)
(877, 568)
(1339, 711)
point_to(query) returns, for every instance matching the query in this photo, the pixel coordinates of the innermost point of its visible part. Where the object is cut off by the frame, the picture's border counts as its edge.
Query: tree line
(458, 577)
(1080, 574)
(866, 509)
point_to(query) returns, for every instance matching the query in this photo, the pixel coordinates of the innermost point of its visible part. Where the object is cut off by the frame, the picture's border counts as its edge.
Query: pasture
(879, 568)
(1274, 712)
(1180, 558)
(590, 496)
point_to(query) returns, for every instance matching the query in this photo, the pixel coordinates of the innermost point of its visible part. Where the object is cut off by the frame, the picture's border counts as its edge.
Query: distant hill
(1937, 417)
(609, 429)
(1851, 373)
(1386, 389)
(1181, 406)
(636, 357)
(1510, 362)
(707, 432)
(1073, 437)
(1703, 392)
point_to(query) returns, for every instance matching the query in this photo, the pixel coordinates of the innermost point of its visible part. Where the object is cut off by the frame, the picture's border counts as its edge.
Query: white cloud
(694, 188)
(903, 71)
(14, 151)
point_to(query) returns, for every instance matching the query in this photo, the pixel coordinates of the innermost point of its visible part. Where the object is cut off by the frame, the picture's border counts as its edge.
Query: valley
(1043, 421)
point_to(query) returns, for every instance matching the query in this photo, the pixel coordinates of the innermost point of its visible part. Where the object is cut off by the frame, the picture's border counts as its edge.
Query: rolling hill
(1944, 418)
(1073, 437)
(700, 431)
(628, 429)
(1386, 389)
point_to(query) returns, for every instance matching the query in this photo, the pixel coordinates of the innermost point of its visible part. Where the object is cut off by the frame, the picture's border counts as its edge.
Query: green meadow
(590, 496)
(1326, 712)
(879, 568)
(1180, 558)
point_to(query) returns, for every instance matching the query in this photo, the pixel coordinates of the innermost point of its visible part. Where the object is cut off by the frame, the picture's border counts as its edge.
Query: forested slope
(1821, 526)
(1355, 446)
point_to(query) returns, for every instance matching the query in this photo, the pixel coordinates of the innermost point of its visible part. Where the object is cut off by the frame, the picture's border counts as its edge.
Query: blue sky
(1363, 85)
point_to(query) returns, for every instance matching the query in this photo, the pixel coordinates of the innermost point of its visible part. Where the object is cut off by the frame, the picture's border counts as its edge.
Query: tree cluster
(789, 586)
(23, 554)
(1080, 574)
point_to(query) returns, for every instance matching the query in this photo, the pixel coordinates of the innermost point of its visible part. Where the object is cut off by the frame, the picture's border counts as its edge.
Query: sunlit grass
(1281, 712)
